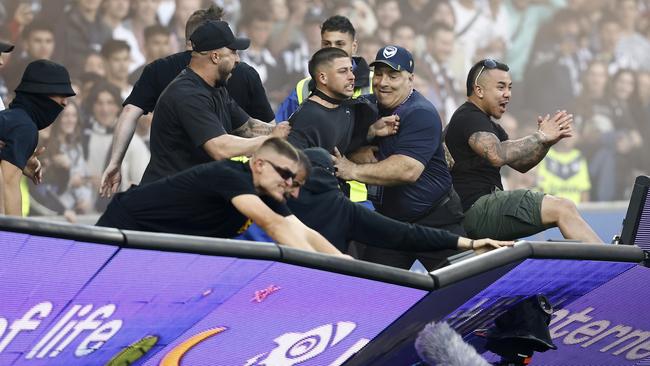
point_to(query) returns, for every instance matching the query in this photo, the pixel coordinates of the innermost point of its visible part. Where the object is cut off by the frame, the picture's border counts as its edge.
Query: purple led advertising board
(608, 326)
(71, 303)
(39, 277)
(292, 315)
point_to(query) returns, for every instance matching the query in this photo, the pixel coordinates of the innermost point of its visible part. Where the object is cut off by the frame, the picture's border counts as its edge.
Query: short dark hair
(436, 27)
(280, 146)
(113, 46)
(155, 30)
(252, 15)
(471, 76)
(213, 12)
(324, 55)
(94, 92)
(304, 163)
(338, 23)
(36, 26)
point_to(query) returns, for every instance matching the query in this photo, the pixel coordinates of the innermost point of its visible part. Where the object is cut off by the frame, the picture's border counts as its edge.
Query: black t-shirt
(244, 86)
(314, 125)
(194, 202)
(20, 136)
(190, 112)
(473, 176)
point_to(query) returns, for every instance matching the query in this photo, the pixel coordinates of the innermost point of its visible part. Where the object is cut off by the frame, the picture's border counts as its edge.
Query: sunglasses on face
(487, 64)
(282, 172)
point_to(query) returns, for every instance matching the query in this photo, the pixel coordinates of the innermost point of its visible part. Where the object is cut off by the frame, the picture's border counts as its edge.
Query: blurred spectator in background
(94, 64)
(419, 13)
(22, 13)
(564, 172)
(632, 49)
(117, 58)
(4, 48)
(67, 190)
(79, 34)
(388, 13)
(628, 139)
(156, 45)
(143, 15)
(436, 70)
(37, 44)
(296, 56)
(257, 26)
(182, 12)
(609, 34)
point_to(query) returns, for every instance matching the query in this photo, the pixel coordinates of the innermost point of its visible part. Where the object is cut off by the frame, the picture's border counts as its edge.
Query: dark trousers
(446, 214)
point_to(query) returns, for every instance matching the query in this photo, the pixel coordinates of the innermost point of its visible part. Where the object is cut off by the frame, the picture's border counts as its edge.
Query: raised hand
(553, 129)
(281, 130)
(344, 168)
(34, 169)
(385, 126)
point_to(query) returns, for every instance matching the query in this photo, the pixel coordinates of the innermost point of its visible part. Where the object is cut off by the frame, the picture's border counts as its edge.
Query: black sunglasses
(487, 64)
(282, 172)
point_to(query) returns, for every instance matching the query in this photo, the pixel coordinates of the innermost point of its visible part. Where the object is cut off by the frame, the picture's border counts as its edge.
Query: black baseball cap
(396, 57)
(215, 34)
(6, 47)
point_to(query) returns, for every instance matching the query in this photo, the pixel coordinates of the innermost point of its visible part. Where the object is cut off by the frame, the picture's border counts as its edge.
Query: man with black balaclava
(40, 97)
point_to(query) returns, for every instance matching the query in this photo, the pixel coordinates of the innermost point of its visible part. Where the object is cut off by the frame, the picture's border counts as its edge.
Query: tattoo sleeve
(521, 154)
(254, 128)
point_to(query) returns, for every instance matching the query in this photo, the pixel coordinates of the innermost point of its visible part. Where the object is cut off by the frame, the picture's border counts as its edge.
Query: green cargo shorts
(505, 215)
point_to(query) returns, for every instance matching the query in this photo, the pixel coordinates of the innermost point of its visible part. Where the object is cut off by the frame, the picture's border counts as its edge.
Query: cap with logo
(46, 77)
(215, 34)
(396, 57)
(6, 47)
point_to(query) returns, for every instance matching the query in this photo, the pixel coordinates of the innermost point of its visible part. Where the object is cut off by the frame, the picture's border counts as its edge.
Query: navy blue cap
(396, 57)
(215, 34)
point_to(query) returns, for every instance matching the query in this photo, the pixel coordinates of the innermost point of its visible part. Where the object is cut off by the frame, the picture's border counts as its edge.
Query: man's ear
(478, 90)
(354, 47)
(322, 77)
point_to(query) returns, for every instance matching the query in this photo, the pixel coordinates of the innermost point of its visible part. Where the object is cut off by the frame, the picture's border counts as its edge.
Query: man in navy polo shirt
(408, 170)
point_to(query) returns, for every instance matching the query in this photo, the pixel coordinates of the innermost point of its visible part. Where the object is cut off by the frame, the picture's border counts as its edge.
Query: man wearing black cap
(408, 171)
(194, 120)
(40, 97)
(4, 48)
(244, 86)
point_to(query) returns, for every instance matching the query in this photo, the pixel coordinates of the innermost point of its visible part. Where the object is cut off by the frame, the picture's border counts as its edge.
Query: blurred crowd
(589, 57)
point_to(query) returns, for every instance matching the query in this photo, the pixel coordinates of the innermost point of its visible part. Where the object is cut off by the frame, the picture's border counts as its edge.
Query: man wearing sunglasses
(480, 147)
(221, 199)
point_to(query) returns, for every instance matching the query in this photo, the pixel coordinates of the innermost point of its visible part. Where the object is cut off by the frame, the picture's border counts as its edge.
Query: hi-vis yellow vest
(358, 191)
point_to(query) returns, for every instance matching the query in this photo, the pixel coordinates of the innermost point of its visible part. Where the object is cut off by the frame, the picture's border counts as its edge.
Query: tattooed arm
(524, 153)
(253, 128)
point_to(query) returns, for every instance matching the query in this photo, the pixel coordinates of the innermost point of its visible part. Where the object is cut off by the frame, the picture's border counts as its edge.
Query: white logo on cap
(390, 51)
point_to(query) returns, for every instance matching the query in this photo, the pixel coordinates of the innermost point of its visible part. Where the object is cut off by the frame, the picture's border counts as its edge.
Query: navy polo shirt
(419, 137)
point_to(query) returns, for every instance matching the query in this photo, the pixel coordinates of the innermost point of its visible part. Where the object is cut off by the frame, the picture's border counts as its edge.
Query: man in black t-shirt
(221, 199)
(244, 86)
(329, 118)
(194, 122)
(480, 147)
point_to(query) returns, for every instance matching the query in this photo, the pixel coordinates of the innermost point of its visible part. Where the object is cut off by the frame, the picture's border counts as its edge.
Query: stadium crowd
(588, 57)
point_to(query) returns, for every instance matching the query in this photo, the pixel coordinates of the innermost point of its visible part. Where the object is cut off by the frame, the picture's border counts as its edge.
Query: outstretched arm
(254, 127)
(524, 153)
(288, 231)
(124, 130)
